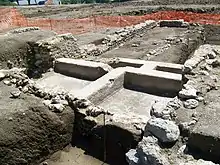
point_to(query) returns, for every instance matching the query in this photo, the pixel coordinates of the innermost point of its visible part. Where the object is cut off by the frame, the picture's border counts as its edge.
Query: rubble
(191, 103)
(211, 55)
(47, 50)
(153, 133)
(198, 162)
(147, 152)
(2, 75)
(132, 157)
(22, 30)
(188, 93)
(166, 131)
(15, 94)
(165, 111)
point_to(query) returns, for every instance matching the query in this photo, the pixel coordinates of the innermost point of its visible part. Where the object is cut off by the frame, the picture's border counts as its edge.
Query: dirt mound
(29, 130)
(15, 46)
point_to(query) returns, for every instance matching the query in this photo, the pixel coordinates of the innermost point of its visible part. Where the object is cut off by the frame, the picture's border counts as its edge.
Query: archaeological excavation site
(124, 83)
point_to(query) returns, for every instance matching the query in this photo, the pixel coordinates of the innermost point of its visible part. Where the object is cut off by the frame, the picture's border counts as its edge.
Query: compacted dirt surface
(43, 122)
(130, 8)
(159, 44)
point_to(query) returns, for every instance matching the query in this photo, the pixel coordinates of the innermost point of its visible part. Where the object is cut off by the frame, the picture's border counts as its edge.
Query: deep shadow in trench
(108, 143)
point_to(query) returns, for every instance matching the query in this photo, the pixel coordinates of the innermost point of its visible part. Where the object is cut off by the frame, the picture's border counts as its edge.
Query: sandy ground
(57, 82)
(124, 100)
(158, 44)
(80, 11)
(95, 36)
(72, 156)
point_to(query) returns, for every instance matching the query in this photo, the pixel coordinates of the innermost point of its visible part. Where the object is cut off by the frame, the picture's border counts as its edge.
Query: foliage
(6, 3)
(83, 1)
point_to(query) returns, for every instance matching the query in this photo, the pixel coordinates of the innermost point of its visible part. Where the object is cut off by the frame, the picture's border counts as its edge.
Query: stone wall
(44, 52)
(118, 38)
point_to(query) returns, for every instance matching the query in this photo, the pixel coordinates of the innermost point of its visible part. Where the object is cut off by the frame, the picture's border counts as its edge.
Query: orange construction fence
(11, 18)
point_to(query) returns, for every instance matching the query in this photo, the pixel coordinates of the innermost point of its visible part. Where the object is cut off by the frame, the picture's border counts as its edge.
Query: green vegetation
(89, 1)
(6, 3)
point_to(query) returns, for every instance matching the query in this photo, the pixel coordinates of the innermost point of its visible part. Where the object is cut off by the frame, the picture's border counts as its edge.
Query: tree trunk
(17, 2)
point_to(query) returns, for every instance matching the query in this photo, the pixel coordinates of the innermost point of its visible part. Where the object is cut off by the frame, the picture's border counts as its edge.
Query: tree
(102, 1)
(7, 3)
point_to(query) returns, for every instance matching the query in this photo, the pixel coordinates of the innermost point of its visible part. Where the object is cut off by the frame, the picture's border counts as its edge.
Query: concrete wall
(153, 81)
(86, 70)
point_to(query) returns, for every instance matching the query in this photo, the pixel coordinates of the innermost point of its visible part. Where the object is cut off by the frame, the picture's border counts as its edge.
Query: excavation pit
(131, 101)
(133, 90)
(72, 75)
(164, 44)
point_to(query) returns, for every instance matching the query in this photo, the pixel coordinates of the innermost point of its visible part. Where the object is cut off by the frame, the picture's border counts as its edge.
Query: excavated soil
(15, 47)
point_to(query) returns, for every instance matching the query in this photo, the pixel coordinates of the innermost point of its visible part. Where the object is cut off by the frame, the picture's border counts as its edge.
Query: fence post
(51, 24)
(94, 21)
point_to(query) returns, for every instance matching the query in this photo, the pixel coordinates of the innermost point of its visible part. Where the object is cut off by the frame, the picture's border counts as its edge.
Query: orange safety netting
(13, 18)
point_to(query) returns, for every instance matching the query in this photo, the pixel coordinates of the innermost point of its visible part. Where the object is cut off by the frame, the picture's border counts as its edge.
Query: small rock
(132, 157)
(50, 70)
(10, 118)
(47, 102)
(166, 131)
(10, 64)
(149, 152)
(182, 150)
(204, 72)
(24, 89)
(208, 68)
(152, 52)
(96, 111)
(216, 63)
(175, 103)
(211, 61)
(193, 122)
(57, 107)
(7, 82)
(194, 114)
(13, 81)
(2, 75)
(25, 81)
(191, 104)
(187, 68)
(15, 94)
(64, 102)
(200, 98)
(211, 55)
(214, 77)
(56, 100)
(45, 163)
(190, 93)
(198, 162)
(135, 45)
(157, 109)
(184, 126)
(216, 51)
(83, 103)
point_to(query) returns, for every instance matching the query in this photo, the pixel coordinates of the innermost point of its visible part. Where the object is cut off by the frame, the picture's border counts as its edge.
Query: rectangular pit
(159, 44)
(131, 101)
(132, 90)
(72, 75)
